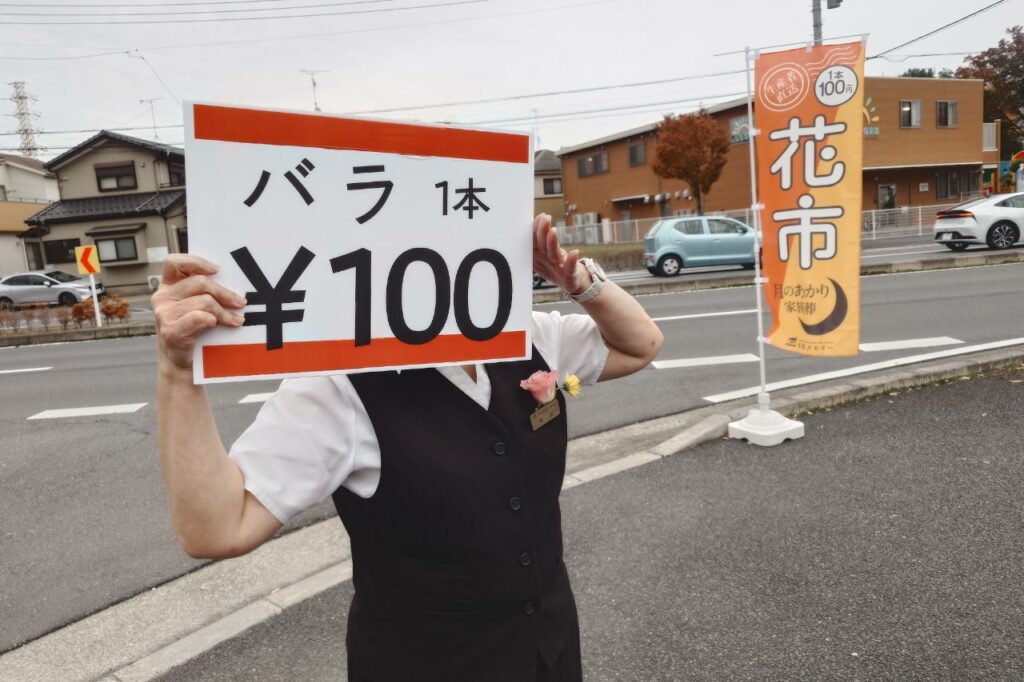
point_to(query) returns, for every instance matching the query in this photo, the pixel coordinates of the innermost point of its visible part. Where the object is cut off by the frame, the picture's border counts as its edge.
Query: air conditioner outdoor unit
(154, 282)
(590, 218)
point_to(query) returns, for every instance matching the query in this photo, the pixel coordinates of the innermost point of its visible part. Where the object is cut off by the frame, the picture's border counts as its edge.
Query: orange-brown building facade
(925, 143)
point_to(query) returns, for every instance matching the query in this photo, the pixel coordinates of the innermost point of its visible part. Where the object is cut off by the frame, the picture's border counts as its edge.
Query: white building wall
(12, 254)
(23, 185)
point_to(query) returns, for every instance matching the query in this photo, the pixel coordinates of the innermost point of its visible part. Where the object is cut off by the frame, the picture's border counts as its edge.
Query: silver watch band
(598, 280)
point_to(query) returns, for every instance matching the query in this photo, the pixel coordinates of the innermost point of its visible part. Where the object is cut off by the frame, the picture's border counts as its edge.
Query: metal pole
(816, 15)
(95, 301)
(759, 282)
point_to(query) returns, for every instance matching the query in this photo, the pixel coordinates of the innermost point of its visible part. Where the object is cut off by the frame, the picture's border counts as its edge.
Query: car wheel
(669, 266)
(6, 304)
(1002, 235)
(957, 246)
(538, 281)
(653, 271)
(66, 299)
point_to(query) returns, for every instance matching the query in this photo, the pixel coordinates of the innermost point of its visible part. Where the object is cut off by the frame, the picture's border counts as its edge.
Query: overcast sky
(480, 49)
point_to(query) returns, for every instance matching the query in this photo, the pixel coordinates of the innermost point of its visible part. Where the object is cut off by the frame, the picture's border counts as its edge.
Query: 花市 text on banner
(809, 116)
(360, 245)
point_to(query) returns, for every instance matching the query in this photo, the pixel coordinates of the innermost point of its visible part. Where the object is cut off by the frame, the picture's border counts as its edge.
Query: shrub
(114, 307)
(44, 313)
(8, 321)
(64, 317)
(83, 312)
(29, 314)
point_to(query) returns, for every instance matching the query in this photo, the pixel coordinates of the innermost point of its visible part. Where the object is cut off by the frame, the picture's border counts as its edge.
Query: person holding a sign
(446, 479)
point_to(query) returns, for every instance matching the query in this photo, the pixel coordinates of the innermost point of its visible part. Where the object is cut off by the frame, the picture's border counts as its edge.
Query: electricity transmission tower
(25, 116)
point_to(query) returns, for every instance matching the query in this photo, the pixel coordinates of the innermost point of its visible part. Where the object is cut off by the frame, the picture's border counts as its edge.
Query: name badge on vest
(544, 414)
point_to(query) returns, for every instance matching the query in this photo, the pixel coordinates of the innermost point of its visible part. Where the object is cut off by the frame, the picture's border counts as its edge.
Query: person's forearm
(624, 324)
(203, 486)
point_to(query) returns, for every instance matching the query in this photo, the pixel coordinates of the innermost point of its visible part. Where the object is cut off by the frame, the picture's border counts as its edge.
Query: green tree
(1002, 68)
(692, 148)
(918, 73)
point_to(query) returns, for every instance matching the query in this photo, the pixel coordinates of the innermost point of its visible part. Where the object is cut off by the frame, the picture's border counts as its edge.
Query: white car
(997, 220)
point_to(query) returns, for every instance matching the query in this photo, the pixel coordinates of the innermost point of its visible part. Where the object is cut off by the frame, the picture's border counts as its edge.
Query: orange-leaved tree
(692, 148)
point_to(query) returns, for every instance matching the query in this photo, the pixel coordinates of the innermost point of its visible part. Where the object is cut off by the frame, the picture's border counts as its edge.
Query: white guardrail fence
(875, 224)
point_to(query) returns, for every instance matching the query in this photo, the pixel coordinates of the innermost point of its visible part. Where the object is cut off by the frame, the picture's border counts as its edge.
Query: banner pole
(758, 237)
(762, 425)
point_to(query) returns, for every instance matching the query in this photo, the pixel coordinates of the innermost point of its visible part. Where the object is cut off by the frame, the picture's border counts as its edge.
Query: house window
(60, 250)
(947, 186)
(947, 114)
(910, 113)
(552, 185)
(115, 177)
(594, 164)
(182, 240)
(177, 173)
(121, 248)
(3, 193)
(638, 153)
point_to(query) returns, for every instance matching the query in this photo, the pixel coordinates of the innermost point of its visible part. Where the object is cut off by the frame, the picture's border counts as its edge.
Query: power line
(138, 4)
(191, 11)
(941, 28)
(548, 94)
(139, 55)
(58, 59)
(93, 131)
(231, 19)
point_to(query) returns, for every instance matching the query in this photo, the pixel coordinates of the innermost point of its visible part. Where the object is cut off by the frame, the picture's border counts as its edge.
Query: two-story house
(547, 185)
(123, 194)
(925, 143)
(25, 187)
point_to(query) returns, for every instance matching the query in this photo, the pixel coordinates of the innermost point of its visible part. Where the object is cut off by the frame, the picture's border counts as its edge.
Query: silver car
(45, 286)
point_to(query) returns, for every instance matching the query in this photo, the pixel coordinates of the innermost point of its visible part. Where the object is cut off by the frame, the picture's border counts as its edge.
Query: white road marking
(724, 313)
(26, 369)
(863, 369)
(702, 362)
(910, 343)
(255, 398)
(89, 411)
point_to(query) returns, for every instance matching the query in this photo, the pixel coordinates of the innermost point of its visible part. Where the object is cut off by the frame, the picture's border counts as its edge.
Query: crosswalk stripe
(704, 362)
(931, 342)
(255, 398)
(89, 411)
(25, 369)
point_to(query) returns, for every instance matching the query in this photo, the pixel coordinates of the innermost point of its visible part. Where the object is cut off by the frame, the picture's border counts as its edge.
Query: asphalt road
(885, 545)
(83, 517)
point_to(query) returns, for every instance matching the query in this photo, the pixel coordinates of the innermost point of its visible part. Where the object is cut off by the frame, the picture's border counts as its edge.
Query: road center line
(702, 362)
(89, 411)
(26, 369)
(724, 313)
(255, 398)
(863, 369)
(910, 343)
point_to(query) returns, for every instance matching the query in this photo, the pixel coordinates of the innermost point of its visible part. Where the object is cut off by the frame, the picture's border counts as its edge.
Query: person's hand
(187, 303)
(551, 261)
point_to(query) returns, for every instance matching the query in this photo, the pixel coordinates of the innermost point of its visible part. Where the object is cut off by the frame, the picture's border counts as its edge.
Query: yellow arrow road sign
(88, 260)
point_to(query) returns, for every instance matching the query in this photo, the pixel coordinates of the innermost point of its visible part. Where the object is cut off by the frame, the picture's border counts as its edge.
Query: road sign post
(89, 264)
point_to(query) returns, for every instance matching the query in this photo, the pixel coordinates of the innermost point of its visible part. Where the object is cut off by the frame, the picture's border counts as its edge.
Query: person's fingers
(569, 268)
(182, 333)
(178, 266)
(554, 250)
(197, 285)
(209, 304)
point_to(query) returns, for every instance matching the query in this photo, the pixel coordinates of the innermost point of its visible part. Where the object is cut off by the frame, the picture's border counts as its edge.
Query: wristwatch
(598, 277)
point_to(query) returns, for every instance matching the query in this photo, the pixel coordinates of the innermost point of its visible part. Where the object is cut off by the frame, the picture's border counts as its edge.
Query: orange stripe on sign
(255, 126)
(253, 359)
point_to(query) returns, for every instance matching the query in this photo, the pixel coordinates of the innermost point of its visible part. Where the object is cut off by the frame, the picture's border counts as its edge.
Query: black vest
(457, 557)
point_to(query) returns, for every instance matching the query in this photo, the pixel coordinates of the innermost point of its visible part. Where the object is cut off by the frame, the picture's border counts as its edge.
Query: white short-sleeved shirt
(314, 434)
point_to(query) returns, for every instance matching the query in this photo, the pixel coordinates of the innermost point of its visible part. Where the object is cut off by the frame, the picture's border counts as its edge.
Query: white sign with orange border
(361, 245)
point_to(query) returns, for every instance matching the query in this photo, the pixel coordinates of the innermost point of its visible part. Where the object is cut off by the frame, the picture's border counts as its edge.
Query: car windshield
(654, 230)
(61, 276)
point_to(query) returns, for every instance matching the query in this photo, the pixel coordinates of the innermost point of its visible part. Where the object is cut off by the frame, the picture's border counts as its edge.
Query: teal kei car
(691, 241)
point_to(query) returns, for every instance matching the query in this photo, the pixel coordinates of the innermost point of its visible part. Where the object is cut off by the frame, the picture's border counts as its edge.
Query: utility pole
(816, 16)
(24, 114)
(312, 77)
(152, 113)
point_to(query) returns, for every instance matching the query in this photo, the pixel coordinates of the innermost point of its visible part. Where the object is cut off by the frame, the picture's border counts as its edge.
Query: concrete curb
(303, 564)
(92, 334)
(664, 286)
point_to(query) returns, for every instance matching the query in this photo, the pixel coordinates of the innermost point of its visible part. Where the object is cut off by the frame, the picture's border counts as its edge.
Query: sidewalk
(885, 545)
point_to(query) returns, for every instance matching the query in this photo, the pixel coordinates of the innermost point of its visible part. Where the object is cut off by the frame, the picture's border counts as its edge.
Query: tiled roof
(119, 206)
(545, 161)
(157, 147)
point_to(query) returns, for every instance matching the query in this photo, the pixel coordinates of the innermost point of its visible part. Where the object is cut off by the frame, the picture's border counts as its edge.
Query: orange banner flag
(808, 111)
